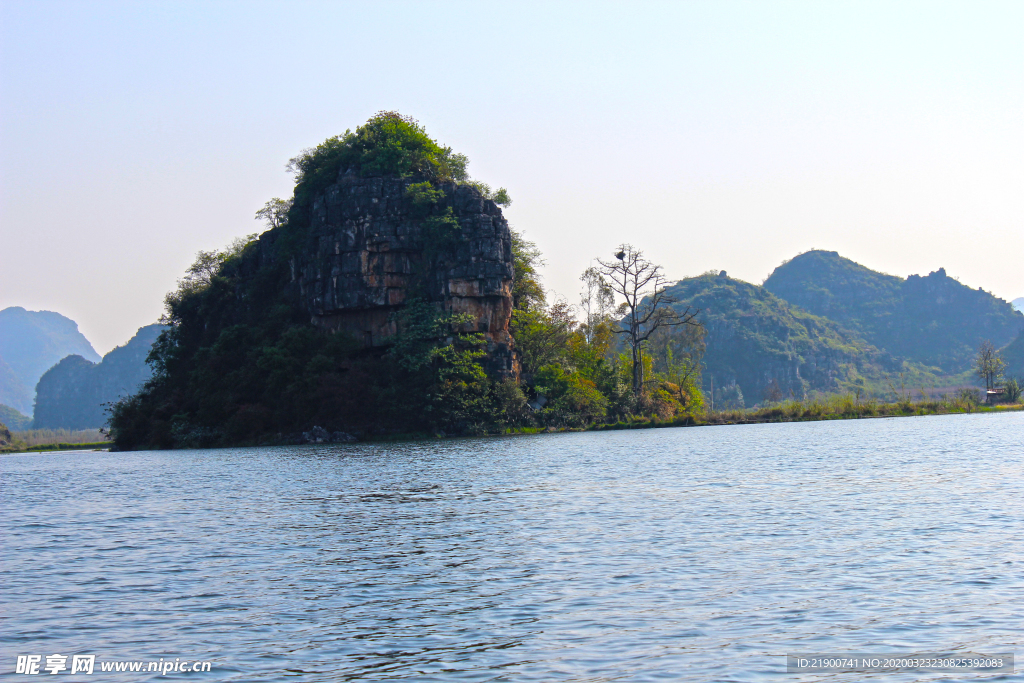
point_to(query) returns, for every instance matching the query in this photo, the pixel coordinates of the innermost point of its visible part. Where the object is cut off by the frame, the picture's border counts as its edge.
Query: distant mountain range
(30, 343)
(934, 320)
(51, 377)
(73, 393)
(823, 323)
(1019, 304)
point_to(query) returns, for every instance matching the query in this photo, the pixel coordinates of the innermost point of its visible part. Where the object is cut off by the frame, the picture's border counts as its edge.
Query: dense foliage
(389, 144)
(580, 373)
(6, 438)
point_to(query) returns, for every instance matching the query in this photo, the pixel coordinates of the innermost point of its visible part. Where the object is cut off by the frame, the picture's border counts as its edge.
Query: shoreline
(822, 418)
(55, 447)
(774, 415)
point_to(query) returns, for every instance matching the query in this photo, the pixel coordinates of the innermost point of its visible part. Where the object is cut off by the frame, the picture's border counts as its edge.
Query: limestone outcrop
(370, 249)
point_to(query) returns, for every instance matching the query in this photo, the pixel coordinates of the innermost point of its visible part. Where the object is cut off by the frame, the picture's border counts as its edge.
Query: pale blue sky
(713, 135)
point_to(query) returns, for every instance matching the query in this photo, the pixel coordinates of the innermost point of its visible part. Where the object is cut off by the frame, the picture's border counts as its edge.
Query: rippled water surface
(701, 554)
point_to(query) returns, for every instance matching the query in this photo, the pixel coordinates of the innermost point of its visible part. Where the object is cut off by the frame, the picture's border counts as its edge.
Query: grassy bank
(62, 447)
(846, 407)
(54, 447)
(841, 407)
(35, 440)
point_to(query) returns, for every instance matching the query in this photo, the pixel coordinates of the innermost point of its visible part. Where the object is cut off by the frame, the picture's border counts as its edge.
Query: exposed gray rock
(321, 435)
(316, 435)
(370, 250)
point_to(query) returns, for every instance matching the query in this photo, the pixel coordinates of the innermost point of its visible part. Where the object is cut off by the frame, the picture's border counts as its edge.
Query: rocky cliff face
(370, 249)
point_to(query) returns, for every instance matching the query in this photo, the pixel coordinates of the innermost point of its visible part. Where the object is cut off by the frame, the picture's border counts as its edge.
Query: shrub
(389, 144)
(1012, 390)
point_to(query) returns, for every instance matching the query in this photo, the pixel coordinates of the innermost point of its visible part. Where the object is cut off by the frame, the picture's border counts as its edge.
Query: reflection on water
(701, 554)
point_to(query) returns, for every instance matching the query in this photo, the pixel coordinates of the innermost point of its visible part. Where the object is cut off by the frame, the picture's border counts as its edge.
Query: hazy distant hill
(933, 320)
(1019, 304)
(13, 391)
(72, 394)
(754, 337)
(30, 343)
(14, 419)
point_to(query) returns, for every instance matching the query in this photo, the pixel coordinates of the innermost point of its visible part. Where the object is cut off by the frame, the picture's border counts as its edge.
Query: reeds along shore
(55, 439)
(840, 407)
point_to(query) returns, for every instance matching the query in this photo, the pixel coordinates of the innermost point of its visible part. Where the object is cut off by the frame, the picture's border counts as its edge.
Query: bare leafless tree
(596, 300)
(647, 306)
(989, 365)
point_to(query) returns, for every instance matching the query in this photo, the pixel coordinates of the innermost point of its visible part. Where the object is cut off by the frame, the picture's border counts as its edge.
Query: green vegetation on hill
(932, 320)
(1013, 355)
(6, 439)
(73, 394)
(760, 347)
(388, 145)
(14, 419)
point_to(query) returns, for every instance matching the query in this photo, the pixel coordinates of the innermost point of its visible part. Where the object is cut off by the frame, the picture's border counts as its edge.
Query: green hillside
(14, 419)
(757, 342)
(933, 320)
(1013, 354)
(6, 438)
(753, 338)
(73, 393)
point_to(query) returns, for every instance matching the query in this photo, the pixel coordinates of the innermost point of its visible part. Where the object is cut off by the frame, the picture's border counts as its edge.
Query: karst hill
(932, 319)
(379, 300)
(823, 323)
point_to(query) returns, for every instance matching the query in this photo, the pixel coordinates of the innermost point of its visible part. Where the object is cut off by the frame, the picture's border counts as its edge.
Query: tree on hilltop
(275, 212)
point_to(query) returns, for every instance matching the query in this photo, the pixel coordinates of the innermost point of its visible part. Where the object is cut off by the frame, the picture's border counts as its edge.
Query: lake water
(700, 554)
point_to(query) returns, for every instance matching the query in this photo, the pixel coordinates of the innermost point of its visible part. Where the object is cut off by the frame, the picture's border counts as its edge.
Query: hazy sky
(712, 135)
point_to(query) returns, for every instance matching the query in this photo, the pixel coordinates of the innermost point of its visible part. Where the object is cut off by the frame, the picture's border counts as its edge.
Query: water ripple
(701, 554)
